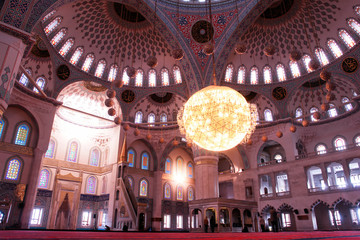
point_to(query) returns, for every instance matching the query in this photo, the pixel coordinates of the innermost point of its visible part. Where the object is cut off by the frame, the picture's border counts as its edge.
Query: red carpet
(30, 234)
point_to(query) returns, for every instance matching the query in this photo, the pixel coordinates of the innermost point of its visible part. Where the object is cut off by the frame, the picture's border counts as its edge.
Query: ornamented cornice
(9, 147)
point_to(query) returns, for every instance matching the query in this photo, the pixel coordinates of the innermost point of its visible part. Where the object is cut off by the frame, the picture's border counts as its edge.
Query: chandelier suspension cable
(213, 42)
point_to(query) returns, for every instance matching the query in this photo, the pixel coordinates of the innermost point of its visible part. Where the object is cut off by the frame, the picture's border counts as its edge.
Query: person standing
(212, 223)
(274, 220)
(262, 223)
(206, 224)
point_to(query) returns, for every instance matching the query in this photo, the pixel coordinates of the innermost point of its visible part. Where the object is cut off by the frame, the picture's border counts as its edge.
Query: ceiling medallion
(63, 72)
(128, 96)
(279, 93)
(202, 31)
(349, 65)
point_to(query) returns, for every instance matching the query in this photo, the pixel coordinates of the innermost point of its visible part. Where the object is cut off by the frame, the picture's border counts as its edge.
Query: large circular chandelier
(217, 118)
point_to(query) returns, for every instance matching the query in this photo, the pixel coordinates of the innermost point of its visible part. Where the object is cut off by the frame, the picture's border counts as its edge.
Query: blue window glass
(22, 135)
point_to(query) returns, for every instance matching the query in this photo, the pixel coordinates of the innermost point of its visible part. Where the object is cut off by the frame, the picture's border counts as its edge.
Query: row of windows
(294, 66)
(40, 81)
(179, 192)
(101, 65)
(145, 159)
(22, 132)
(339, 145)
(151, 118)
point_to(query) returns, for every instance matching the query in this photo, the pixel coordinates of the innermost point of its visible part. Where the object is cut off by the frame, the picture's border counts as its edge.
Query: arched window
(347, 104)
(66, 47)
(241, 75)
(298, 113)
(320, 54)
(2, 126)
(131, 157)
(151, 119)
(229, 73)
(332, 111)
(152, 78)
(179, 193)
(179, 166)
(348, 40)
(143, 188)
(91, 185)
(190, 170)
(52, 25)
(125, 77)
(40, 81)
(254, 75)
(313, 110)
(22, 134)
(357, 10)
(165, 77)
(355, 25)
(267, 74)
(268, 115)
(76, 56)
(163, 118)
(339, 144)
(51, 149)
(23, 79)
(72, 152)
(320, 149)
(280, 70)
(58, 37)
(131, 182)
(145, 161)
(100, 68)
(177, 75)
(357, 141)
(167, 191)
(139, 78)
(47, 16)
(190, 193)
(335, 49)
(95, 157)
(168, 166)
(138, 117)
(13, 169)
(306, 60)
(113, 72)
(88, 62)
(44, 179)
(295, 70)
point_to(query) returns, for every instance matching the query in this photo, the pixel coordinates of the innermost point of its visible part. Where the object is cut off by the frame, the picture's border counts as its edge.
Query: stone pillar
(31, 190)
(158, 194)
(206, 174)
(13, 42)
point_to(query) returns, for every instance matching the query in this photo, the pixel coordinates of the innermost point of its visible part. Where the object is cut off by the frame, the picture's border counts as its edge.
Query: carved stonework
(20, 192)
(8, 147)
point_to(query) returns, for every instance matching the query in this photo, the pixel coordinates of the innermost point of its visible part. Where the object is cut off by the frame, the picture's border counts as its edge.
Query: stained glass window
(179, 193)
(347, 105)
(295, 70)
(52, 25)
(131, 157)
(177, 75)
(355, 25)
(2, 124)
(57, 38)
(167, 191)
(254, 75)
(163, 118)
(47, 16)
(66, 47)
(320, 149)
(91, 185)
(332, 111)
(168, 166)
(73, 151)
(357, 141)
(40, 81)
(76, 56)
(151, 119)
(313, 110)
(143, 188)
(280, 69)
(306, 60)
(339, 144)
(348, 40)
(241, 75)
(320, 54)
(165, 81)
(190, 194)
(335, 49)
(51, 149)
(131, 182)
(298, 113)
(268, 115)
(88, 62)
(22, 134)
(138, 117)
(113, 72)
(23, 79)
(125, 77)
(13, 169)
(190, 170)
(95, 157)
(100, 68)
(145, 161)
(44, 178)
(267, 74)
(152, 78)
(179, 165)
(139, 78)
(229, 73)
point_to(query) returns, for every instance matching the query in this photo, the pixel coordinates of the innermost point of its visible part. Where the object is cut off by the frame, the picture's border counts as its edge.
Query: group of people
(212, 224)
(273, 222)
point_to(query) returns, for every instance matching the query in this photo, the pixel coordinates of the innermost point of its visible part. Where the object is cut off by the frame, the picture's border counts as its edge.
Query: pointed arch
(165, 81)
(138, 117)
(58, 37)
(52, 25)
(334, 47)
(167, 191)
(131, 157)
(13, 168)
(3, 126)
(76, 55)
(254, 75)
(347, 39)
(267, 74)
(40, 81)
(168, 165)
(88, 62)
(95, 156)
(145, 161)
(177, 75)
(281, 74)
(100, 68)
(73, 149)
(229, 73)
(306, 60)
(143, 188)
(152, 78)
(91, 185)
(151, 119)
(125, 77)
(23, 79)
(294, 68)
(113, 72)
(241, 75)
(139, 78)
(22, 134)
(50, 152)
(66, 47)
(190, 170)
(190, 193)
(44, 179)
(179, 193)
(355, 25)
